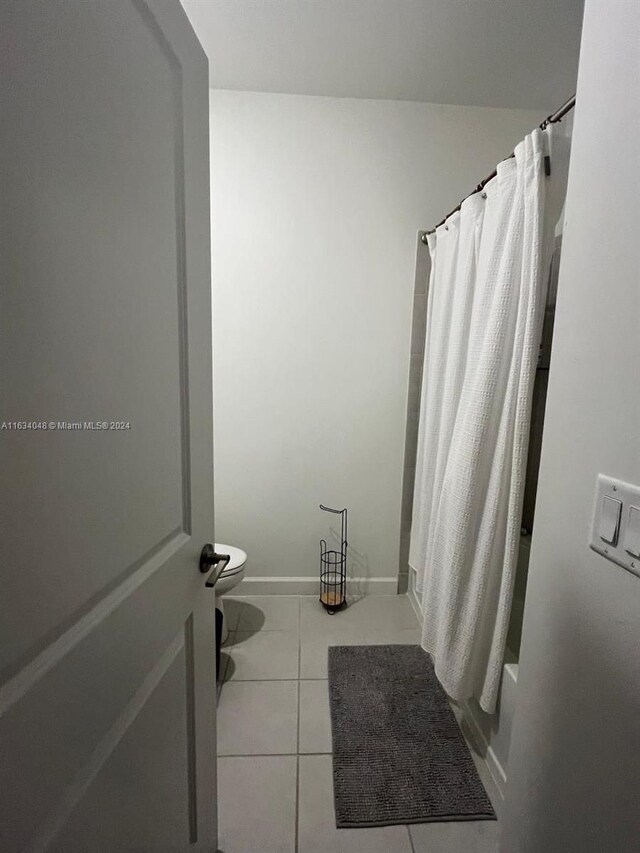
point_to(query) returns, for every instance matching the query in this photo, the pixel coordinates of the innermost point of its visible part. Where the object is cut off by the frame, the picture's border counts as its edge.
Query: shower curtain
(484, 319)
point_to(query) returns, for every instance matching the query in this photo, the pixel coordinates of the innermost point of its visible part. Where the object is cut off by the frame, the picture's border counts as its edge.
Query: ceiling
(495, 53)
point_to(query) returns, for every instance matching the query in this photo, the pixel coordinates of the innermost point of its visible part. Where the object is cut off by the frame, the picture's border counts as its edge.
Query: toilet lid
(238, 557)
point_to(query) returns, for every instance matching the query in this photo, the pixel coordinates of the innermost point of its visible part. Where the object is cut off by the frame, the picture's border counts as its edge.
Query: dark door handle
(209, 559)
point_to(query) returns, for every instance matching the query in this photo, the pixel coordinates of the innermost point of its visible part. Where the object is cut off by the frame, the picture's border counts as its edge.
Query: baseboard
(412, 595)
(309, 586)
(484, 749)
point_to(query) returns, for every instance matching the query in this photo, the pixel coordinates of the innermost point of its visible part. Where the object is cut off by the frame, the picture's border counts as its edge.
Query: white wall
(574, 762)
(316, 203)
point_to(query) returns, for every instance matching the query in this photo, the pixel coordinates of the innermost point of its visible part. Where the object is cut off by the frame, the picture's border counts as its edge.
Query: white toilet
(229, 579)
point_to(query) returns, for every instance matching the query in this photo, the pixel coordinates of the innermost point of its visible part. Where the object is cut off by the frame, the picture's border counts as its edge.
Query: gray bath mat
(398, 753)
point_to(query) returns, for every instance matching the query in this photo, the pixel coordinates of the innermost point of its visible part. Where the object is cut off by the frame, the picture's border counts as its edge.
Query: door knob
(210, 560)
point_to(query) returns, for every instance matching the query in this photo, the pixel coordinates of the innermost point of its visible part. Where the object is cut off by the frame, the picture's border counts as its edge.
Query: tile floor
(275, 791)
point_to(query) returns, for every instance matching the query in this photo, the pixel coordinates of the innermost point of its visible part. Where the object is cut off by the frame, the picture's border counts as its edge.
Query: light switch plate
(609, 489)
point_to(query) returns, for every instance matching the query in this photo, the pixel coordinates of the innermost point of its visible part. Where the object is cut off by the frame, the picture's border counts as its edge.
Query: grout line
(254, 632)
(297, 820)
(270, 595)
(298, 714)
(413, 849)
(262, 680)
(274, 755)
(299, 647)
(296, 826)
(221, 755)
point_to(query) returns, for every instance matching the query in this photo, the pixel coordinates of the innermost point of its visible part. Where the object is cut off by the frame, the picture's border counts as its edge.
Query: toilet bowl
(229, 579)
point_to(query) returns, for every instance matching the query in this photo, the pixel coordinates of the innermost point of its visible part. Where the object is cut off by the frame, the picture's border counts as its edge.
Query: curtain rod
(559, 114)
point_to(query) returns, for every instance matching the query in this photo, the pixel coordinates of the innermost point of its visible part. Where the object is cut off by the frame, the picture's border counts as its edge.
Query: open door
(107, 638)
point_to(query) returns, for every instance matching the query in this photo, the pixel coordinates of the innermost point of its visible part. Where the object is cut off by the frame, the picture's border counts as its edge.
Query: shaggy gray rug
(398, 753)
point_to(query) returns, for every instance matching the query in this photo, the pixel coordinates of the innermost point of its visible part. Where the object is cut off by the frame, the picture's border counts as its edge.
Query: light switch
(632, 534)
(610, 520)
(615, 524)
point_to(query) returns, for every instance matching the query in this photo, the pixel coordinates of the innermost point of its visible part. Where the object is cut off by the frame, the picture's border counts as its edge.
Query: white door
(107, 641)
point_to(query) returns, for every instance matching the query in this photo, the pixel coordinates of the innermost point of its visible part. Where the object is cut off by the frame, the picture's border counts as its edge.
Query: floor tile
(391, 612)
(382, 635)
(269, 613)
(224, 661)
(262, 656)
(467, 836)
(257, 804)
(316, 623)
(227, 666)
(317, 831)
(258, 718)
(373, 612)
(232, 610)
(314, 652)
(315, 724)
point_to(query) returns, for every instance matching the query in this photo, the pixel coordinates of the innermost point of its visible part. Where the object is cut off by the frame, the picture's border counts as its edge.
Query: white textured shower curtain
(486, 306)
